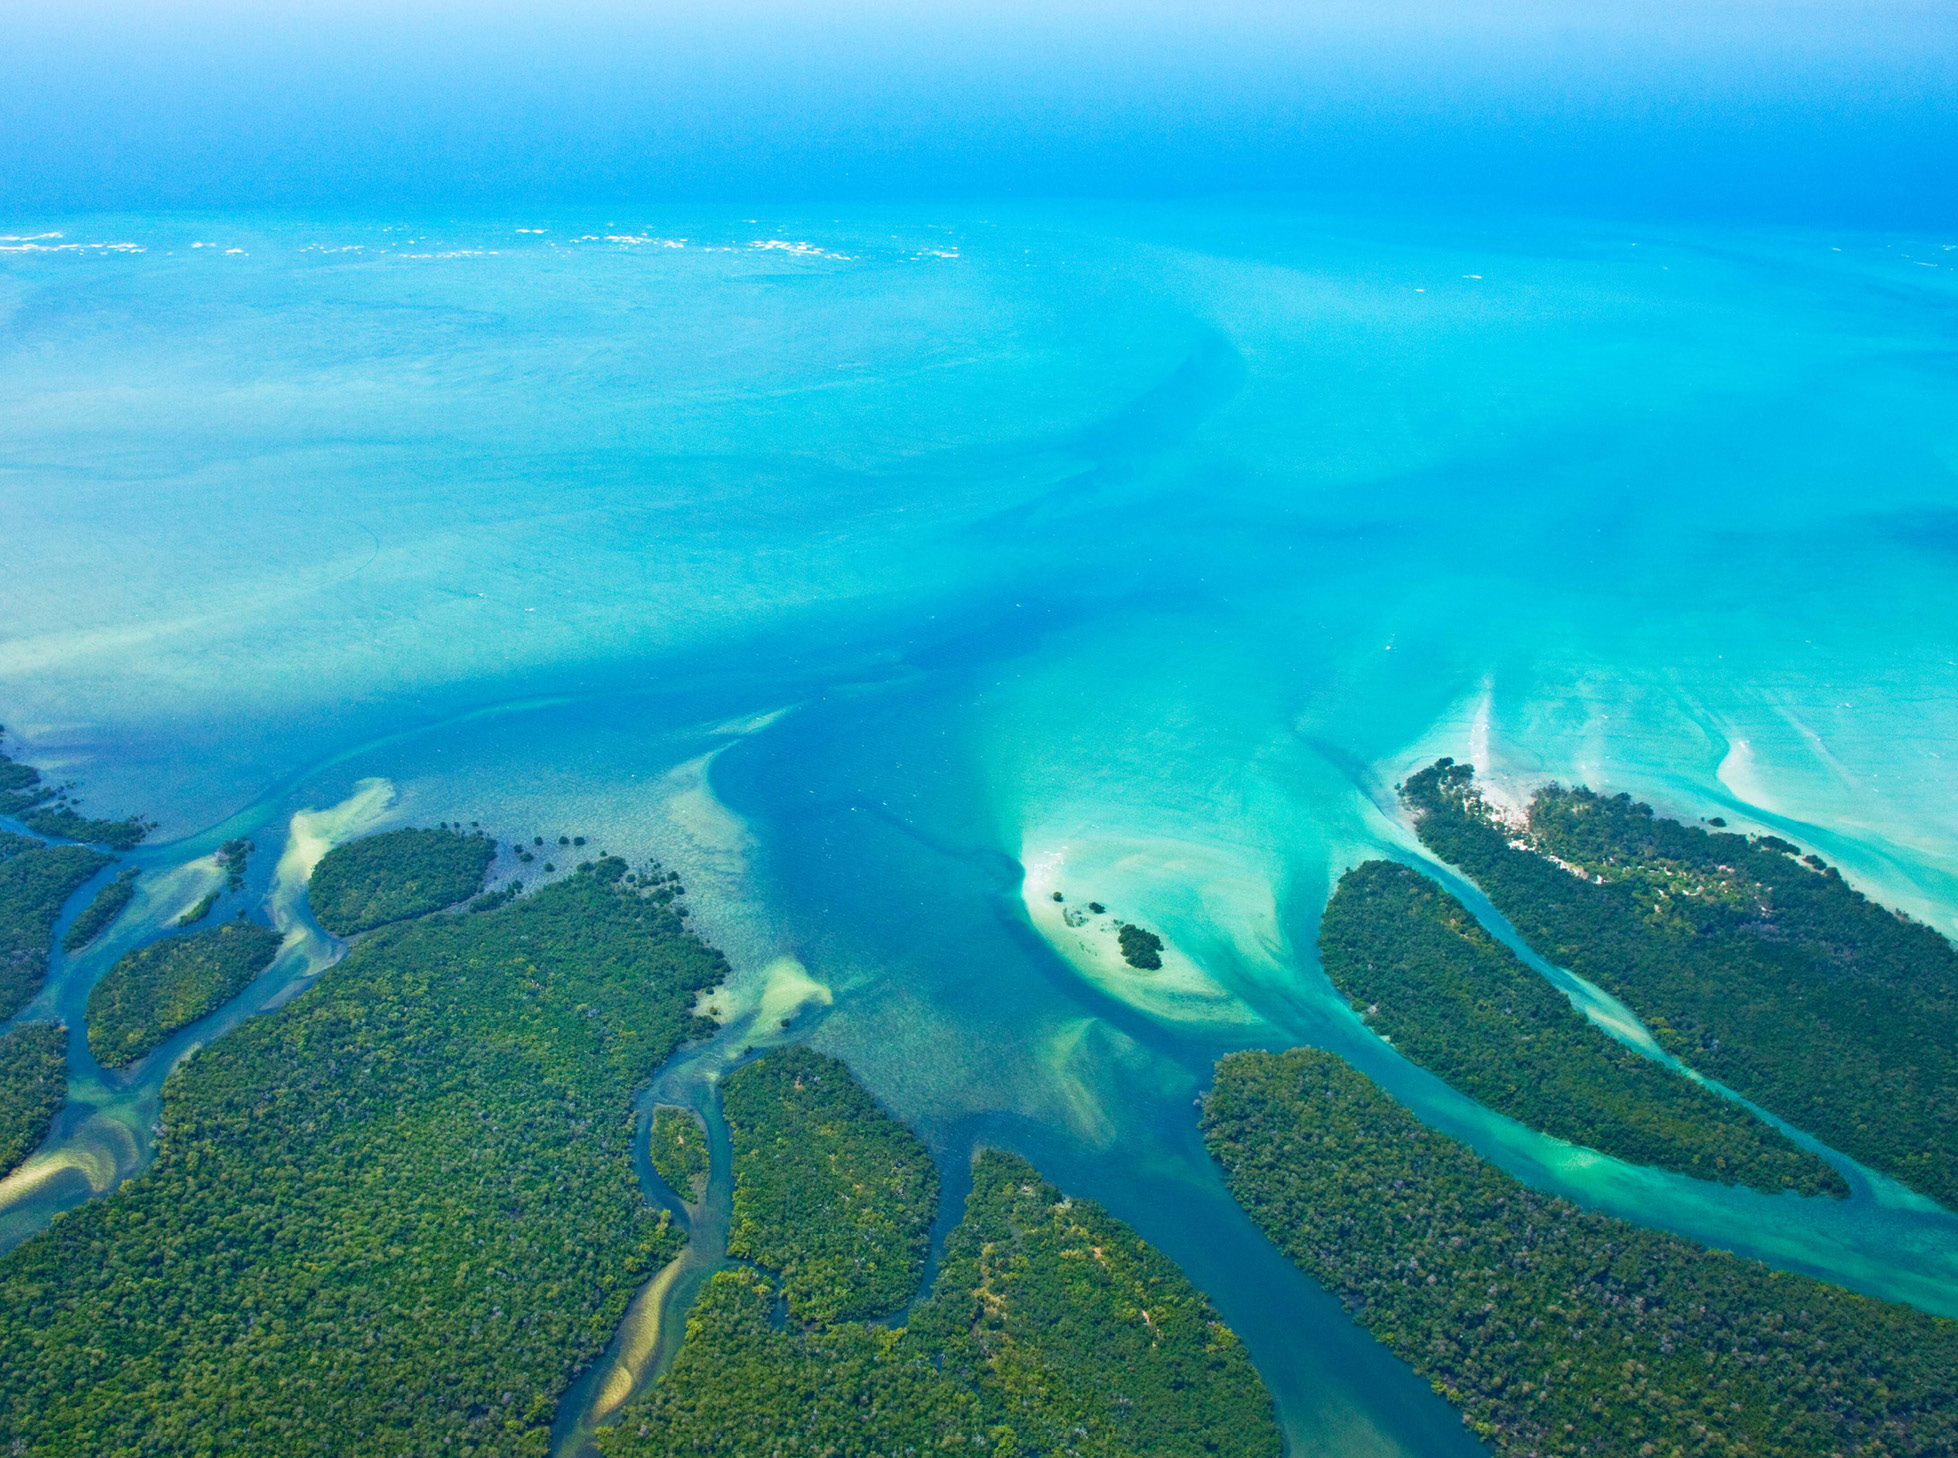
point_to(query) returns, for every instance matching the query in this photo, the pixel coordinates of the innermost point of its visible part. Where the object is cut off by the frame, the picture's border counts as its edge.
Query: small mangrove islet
(679, 1151)
(1556, 1331)
(155, 990)
(1757, 967)
(396, 875)
(1450, 997)
(231, 859)
(1050, 1328)
(1141, 949)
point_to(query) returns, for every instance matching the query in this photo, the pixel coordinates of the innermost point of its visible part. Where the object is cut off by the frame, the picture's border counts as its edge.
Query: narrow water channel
(655, 1323)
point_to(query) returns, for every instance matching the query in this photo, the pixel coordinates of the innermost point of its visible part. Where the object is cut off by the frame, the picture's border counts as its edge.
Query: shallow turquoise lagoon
(888, 572)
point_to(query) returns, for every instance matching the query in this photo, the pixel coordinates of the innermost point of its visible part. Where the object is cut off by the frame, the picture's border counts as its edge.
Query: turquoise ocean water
(887, 572)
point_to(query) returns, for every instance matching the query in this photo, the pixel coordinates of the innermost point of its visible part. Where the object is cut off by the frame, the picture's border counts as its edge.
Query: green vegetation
(35, 881)
(105, 908)
(20, 786)
(46, 809)
(679, 1151)
(395, 876)
(1556, 1331)
(155, 990)
(65, 822)
(1141, 948)
(33, 1087)
(1051, 1329)
(1769, 973)
(396, 1216)
(1456, 1001)
(198, 912)
(490, 900)
(741, 1387)
(231, 857)
(830, 1191)
(1082, 1337)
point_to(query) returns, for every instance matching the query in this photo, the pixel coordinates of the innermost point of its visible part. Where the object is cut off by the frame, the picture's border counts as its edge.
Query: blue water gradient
(1828, 110)
(886, 570)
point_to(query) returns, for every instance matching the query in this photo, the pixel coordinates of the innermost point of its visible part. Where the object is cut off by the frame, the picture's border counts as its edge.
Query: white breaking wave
(800, 249)
(28, 245)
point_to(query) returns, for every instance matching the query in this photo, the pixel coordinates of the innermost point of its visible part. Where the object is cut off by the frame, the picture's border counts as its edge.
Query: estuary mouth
(992, 684)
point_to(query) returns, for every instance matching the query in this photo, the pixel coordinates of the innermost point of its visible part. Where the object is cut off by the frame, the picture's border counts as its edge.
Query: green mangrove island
(36, 881)
(1755, 965)
(396, 1216)
(1050, 1329)
(155, 990)
(1140, 948)
(33, 1087)
(106, 906)
(679, 1151)
(395, 876)
(1553, 1330)
(231, 858)
(1422, 973)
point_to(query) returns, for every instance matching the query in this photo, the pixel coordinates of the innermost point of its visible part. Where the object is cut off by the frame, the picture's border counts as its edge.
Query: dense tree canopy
(35, 883)
(679, 1151)
(231, 858)
(103, 909)
(1452, 998)
(1767, 972)
(396, 1216)
(33, 1087)
(744, 1386)
(1080, 1336)
(1051, 1329)
(1140, 948)
(830, 1192)
(155, 990)
(391, 877)
(1557, 1331)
